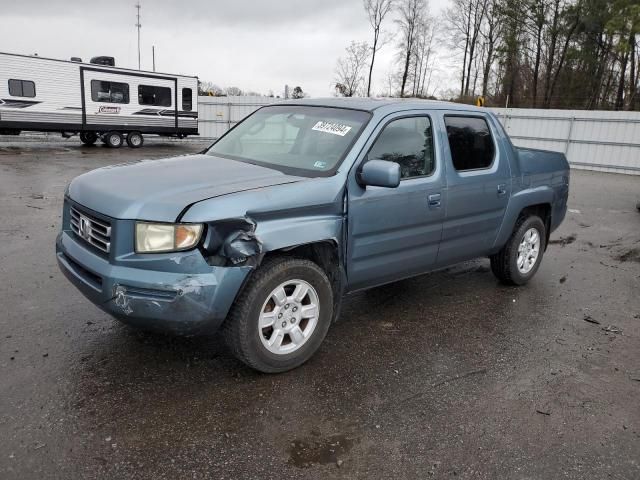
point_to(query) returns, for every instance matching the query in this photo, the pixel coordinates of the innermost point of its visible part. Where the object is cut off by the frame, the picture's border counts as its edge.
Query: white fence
(216, 115)
(592, 140)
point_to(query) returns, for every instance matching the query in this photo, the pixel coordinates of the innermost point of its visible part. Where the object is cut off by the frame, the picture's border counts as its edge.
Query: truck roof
(371, 104)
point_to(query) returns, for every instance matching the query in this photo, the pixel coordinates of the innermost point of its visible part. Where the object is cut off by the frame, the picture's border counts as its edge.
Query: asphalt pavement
(448, 375)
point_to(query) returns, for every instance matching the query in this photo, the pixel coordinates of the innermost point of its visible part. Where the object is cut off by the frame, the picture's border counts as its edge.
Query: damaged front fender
(154, 299)
(233, 242)
(182, 304)
(239, 246)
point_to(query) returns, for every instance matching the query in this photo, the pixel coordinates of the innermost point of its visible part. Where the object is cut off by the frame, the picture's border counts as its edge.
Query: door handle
(435, 200)
(502, 190)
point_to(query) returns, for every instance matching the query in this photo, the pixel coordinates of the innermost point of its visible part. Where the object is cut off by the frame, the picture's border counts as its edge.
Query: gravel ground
(445, 375)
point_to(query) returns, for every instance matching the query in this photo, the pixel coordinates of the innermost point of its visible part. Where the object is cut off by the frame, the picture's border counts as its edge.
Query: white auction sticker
(335, 128)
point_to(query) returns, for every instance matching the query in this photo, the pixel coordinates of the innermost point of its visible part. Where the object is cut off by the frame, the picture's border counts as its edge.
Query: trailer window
(22, 88)
(109, 92)
(187, 101)
(157, 96)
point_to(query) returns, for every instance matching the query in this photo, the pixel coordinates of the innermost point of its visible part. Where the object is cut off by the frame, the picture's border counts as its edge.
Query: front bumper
(177, 302)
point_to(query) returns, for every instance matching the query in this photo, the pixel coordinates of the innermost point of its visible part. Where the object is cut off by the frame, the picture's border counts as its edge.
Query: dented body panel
(375, 235)
(180, 294)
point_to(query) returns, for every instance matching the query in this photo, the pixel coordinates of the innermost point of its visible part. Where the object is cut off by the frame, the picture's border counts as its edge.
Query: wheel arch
(324, 253)
(542, 210)
(537, 201)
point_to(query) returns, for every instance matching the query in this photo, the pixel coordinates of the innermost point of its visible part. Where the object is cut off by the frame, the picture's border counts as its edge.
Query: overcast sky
(258, 45)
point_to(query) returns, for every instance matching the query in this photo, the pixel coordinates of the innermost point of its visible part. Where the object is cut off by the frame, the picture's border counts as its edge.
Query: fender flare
(518, 202)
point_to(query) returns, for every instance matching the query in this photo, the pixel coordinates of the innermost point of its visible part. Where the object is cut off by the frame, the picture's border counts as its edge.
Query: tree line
(582, 54)
(210, 89)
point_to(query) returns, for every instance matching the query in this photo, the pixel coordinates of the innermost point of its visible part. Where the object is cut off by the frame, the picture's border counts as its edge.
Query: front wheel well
(325, 254)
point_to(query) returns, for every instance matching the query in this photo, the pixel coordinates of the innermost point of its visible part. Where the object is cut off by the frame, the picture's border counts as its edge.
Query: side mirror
(380, 173)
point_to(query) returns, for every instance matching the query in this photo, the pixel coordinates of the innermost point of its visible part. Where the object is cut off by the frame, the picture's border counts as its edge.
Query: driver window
(409, 143)
(273, 136)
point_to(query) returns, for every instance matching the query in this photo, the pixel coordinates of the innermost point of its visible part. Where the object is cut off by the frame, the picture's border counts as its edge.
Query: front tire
(520, 258)
(113, 139)
(282, 316)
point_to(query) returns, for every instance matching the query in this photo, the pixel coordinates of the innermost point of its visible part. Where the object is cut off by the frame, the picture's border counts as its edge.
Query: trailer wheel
(135, 140)
(113, 139)
(88, 138)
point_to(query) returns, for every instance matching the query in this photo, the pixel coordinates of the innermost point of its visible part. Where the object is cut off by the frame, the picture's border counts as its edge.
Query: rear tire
(520, 258)
(113, 139)
(253, 338)
(135, 140)
(88, 138)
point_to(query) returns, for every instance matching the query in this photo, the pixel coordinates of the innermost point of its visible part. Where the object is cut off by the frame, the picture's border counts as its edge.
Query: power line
(138, 25)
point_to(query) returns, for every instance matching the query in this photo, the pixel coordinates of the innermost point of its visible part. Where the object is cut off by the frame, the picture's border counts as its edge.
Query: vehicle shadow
(411, 312)
(392, 346)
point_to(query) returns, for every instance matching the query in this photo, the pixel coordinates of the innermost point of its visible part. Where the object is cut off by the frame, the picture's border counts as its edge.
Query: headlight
(166, 237)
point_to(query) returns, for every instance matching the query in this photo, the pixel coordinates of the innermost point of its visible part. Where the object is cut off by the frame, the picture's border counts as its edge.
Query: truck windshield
(303, 140)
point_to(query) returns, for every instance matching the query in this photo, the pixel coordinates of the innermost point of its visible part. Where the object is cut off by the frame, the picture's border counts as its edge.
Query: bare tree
(411, 13)
(233, 91)
(464, 21)
(350, 68)
(376, 11)
(479, 11)
(491, 31)
(210, 89)
(457, 19)
(423, 55)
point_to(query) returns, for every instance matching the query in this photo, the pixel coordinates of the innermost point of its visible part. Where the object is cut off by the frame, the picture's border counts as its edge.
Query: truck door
(395, 232)
(478, 185)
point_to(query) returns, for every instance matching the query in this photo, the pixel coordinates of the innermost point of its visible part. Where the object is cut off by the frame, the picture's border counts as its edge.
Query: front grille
(91, 230)
(94, 280)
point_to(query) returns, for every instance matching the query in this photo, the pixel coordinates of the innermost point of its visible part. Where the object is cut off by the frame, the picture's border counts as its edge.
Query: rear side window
(109, 92)
(409, 143)
(470, 142)
(22, 88)
(187, 99)
(156, 96)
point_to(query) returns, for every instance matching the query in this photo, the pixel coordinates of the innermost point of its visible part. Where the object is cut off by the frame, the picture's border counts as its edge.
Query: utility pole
(153, 54)
(138, 25)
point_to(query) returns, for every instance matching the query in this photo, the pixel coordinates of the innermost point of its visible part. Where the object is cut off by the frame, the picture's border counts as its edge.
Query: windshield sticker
(328, 127)
(320, 164)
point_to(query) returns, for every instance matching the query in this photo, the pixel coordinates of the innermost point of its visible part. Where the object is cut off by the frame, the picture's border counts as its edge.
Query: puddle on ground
(11, 150)
(632, 255)
(562, 241)
(303, 453)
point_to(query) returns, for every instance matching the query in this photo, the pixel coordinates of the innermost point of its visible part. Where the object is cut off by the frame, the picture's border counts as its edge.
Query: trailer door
(128, 101)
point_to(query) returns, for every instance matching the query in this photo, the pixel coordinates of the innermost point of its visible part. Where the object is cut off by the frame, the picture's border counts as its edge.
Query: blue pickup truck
(262, 234)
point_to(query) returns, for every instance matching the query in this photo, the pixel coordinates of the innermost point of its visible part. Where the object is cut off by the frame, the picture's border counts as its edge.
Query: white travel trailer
(95, 100)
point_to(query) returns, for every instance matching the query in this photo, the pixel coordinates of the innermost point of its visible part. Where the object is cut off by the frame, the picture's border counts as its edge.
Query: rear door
(395, 232)
(478, 184)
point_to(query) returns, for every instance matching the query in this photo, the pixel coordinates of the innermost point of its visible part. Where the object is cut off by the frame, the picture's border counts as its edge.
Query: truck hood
(159, 190)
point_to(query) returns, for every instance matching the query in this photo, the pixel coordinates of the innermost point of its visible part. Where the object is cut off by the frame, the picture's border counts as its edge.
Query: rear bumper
(181, 303)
